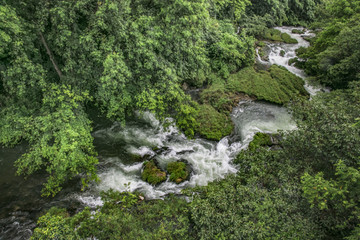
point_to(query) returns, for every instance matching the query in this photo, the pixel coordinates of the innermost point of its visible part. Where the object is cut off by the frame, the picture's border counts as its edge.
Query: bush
(260, 139)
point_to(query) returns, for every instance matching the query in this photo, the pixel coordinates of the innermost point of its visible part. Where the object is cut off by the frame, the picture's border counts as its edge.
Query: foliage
(325, 130)
(124, 219)
(260, 139)
(127, 55)
(59, 135)
(333, 54)
(178, 171)
(212, 124)
(152, 174)
(338, 198)
(234, 209)
(54, 224)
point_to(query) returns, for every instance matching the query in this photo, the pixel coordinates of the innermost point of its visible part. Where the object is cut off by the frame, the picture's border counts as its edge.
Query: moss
(297, 31)
(260, 139)
(152, 174)
(212, 124)
(277, 36)
(272, 35)
(277, 85)
(282, 53)
(287, 39)
(178, 171)
(219, 97)
(136, 158)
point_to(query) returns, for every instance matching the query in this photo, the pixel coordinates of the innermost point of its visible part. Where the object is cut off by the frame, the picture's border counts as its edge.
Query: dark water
(20, 199)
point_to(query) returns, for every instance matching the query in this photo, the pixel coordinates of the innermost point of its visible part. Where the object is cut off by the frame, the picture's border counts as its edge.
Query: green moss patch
(287, 39)
(212, 124)
(273, 35)
(277, 85)
(260, 139)
(276, 36)
(152, 174)
(178, 172)
(297, 31)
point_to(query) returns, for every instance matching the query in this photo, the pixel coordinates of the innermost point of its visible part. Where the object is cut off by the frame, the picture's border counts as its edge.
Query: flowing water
(20, 199)
(289, 49)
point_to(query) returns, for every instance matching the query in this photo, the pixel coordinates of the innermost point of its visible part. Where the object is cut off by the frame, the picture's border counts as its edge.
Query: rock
(282, 53)
(161, 150)
(179, 171)
(152, 173)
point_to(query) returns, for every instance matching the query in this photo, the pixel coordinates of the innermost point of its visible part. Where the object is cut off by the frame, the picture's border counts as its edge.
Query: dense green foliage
(262, 14)
(59, 57)
(333, 57)
(123, 216)
(260, 139)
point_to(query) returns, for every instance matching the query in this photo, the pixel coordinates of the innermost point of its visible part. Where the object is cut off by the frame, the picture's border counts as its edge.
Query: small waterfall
(289, 49)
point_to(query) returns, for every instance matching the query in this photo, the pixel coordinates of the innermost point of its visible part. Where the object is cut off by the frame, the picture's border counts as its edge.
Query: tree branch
(50, 55)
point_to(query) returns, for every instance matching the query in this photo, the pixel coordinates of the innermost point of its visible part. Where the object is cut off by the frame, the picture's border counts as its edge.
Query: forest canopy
(61, 58)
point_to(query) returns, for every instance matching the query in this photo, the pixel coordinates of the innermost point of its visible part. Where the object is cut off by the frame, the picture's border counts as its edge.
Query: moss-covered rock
(260, 139)
(136, 158)
(152, 173)
(212, 124)
(178, 171)
(298, 31)
(277, 36)
(282, 53)
(272, 35)
(288, 39)
(277, 85)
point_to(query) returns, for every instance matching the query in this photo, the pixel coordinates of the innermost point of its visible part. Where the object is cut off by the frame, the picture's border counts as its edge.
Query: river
(20, 199)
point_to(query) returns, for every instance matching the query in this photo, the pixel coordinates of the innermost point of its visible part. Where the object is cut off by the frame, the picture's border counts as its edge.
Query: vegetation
(129, 218)
(333, 56)
(152, 174)
(58, 59)
(178, 171)
(260, 139)
(61, 59)
(277, 85)
(275, 35)
(212, 124)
